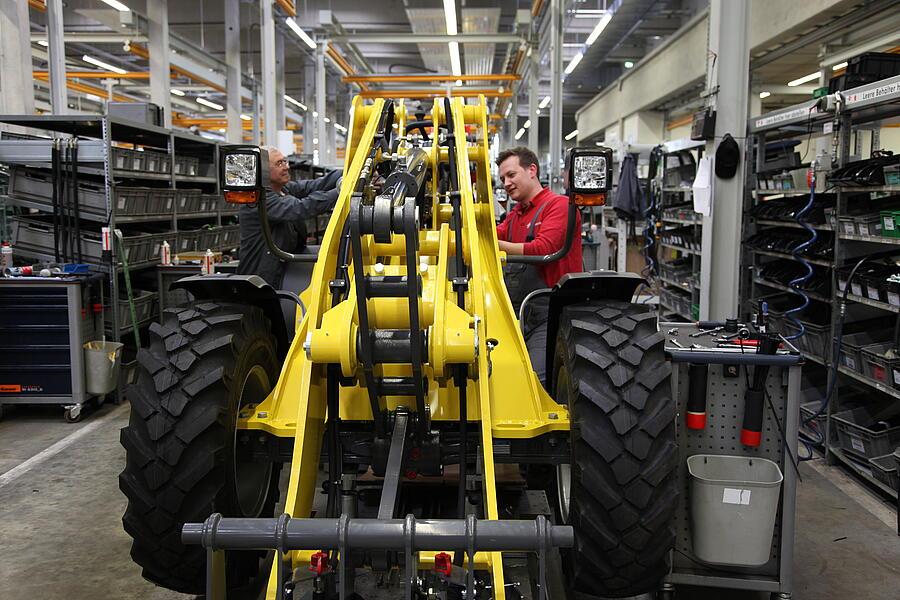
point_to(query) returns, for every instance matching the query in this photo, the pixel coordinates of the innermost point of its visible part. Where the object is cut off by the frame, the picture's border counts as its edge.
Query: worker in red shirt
(536, 225)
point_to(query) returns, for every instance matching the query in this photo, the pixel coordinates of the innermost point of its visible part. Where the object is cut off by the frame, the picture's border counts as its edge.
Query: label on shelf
(896, 377)
(849, 227)
(873, 294)
(888, 223)
(856, 288)
(849, 362)
(857, 444)
(893, 299)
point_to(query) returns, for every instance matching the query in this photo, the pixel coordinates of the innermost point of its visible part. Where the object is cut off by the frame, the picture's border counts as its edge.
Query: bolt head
(553, 416)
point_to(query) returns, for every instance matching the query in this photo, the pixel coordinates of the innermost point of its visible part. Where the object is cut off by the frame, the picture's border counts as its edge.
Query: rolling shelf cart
(153, 184)
(851, 219)
(682, 280)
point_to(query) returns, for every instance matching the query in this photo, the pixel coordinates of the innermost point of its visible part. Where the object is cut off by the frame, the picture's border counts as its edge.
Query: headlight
(240, 170)
(589, 173)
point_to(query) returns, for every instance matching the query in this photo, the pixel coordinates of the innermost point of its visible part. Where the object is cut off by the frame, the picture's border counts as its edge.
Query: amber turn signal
(249, 197)
(590, 199)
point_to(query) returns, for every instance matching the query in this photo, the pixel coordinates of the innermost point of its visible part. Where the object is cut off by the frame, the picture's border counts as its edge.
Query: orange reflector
(590, 199)
(242, 197)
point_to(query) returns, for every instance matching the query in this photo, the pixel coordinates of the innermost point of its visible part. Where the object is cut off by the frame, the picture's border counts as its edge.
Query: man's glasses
(281, 163)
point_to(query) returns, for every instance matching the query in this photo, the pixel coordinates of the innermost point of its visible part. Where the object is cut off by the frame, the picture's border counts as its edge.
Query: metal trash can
(734, 501)
(101, 366)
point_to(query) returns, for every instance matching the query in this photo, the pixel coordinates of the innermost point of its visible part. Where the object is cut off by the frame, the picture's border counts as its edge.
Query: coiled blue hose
(796, 253)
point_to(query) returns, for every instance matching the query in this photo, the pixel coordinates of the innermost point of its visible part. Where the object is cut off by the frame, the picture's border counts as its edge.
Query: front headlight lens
(240, 170)
(590, 173)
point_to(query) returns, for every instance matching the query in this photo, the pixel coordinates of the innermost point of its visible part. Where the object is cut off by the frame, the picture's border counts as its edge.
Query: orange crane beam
(427, 78)
(288, 7)
(98, 75)
(90, 89)
(460, 93)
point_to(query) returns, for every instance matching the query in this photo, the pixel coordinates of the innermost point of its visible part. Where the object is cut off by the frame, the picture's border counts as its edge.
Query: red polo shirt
(549, 233)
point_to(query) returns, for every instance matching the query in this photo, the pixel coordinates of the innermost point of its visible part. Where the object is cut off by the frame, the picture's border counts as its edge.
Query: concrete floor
(61, 535)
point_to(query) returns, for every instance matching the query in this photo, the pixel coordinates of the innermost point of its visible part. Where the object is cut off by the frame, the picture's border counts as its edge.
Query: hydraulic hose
(270, 242)
(534, 259)
(795, 283)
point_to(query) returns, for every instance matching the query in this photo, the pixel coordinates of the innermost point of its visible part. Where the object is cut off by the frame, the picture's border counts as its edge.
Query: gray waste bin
(101, 366)
(734, 501)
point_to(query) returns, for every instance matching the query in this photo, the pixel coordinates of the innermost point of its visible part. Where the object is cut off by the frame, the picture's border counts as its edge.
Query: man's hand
(512, 247)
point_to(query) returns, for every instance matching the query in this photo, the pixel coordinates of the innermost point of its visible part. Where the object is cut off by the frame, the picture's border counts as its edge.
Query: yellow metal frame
(503, 391)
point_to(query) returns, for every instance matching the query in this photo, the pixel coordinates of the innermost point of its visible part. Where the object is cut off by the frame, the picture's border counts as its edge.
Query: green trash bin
(734, 503)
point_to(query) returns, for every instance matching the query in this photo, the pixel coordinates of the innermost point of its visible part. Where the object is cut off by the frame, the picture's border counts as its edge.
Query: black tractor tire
(611, 371)
(203, 363)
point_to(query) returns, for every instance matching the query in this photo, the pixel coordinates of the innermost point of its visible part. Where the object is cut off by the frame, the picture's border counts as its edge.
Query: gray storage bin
(868, 225)
(162, 200)
(133, 201)
(156, 162)
(231, 237)
(814, 427)
(880, 368)
(188, 201)
(884, 469)
(144, 304)
(852, 344)
(186, 165)
(869, 431)
(37, 236)
(734, 502)
(38, 186)
(204, 204)
(123, 158)
(189, 241)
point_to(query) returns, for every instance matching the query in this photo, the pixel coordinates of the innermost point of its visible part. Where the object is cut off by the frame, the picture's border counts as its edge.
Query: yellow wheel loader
(422, 454)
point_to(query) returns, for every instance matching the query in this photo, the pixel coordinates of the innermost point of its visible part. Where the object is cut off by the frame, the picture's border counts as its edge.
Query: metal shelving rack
(98, 135)
(863, 108)
(695, 285)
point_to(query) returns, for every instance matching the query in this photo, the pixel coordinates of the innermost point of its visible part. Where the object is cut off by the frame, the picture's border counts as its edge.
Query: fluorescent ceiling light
(544, 102)
(506, 112)
(520, 133)
(176, 92)
(839, 66)
(526, 124)
(574, 63)
(764, 94)
(459, 82)
(571, 135)
(598, 29)
(43, 43)
(116, 5)
(210, 104)
(315, 140)
(296, 103)
(340, 128)
(455, 65)
(804, 79)
(221, 130)
(450, 18)
(246, 117)
(93, 97)
(103, 65)
(315, 115)
(628, 64)
(327, 120)
(300, 33)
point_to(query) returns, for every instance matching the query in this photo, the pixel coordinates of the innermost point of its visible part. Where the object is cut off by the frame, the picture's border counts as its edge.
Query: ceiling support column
(57, 63)
(158, 46)
(534, 80)
(279, 80)
(17, 83)
(728, 40)
(556, 99)
(318, 146)
(267, 44)
(233, 71)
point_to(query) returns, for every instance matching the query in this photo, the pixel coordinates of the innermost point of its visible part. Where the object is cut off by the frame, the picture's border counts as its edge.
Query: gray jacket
(301, 200)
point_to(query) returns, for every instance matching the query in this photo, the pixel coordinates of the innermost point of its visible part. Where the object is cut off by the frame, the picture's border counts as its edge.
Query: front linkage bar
(344, 534)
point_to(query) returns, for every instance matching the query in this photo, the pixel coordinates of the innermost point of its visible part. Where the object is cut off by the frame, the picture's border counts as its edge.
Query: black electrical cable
(55, 176)
(76, 204)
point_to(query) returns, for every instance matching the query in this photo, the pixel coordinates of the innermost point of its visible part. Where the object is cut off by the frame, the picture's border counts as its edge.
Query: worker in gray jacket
(289, 204)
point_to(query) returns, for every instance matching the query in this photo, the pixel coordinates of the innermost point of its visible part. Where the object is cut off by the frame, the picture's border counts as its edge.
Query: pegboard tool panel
(722, 436)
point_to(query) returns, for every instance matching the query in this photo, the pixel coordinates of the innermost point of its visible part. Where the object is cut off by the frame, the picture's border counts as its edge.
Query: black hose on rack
(76, 206)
